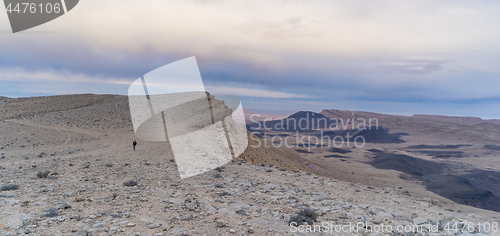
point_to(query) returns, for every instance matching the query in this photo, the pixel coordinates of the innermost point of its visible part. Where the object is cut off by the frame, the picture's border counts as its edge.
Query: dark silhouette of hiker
(134, 143)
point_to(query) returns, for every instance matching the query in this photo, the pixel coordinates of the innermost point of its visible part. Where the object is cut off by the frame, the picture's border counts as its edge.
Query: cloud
(23, 75)
(337, 50)
(415, 65)
(52, 76)
(255, 30)
(256, 93)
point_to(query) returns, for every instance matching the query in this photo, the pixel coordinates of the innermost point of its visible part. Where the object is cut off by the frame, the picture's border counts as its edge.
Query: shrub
(43, 174)
(9, 187)
(225, 193)
(52, 212)
(217, 176)
(130, 183)
(307, 215)
(65, 206)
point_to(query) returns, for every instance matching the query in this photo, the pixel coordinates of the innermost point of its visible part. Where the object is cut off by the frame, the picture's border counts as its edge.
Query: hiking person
(134, 143)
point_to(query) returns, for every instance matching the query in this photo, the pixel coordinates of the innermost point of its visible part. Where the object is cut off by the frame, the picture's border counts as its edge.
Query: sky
(389, 56)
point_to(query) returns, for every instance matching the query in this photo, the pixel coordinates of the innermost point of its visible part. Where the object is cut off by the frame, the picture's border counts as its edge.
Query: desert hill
(453, 119)
(26, 107)
(435, 129)
(459, 119)
(67, 167)
(302, 121)
(73, 119)
(464, 149)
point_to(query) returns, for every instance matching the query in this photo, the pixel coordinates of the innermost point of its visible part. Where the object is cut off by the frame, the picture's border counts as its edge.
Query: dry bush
(52, 212)
(9, 187)
(306, 215)
(130, 183)
(43, 174)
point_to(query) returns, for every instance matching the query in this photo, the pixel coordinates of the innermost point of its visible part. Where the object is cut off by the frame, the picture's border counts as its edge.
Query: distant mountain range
(458, 119)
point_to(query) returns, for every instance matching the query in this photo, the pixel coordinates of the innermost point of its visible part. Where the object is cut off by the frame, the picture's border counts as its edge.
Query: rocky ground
(72, 171)
(93, 199)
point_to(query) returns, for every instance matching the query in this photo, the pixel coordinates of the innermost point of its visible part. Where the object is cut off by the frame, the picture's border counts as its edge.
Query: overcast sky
(397, 56)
